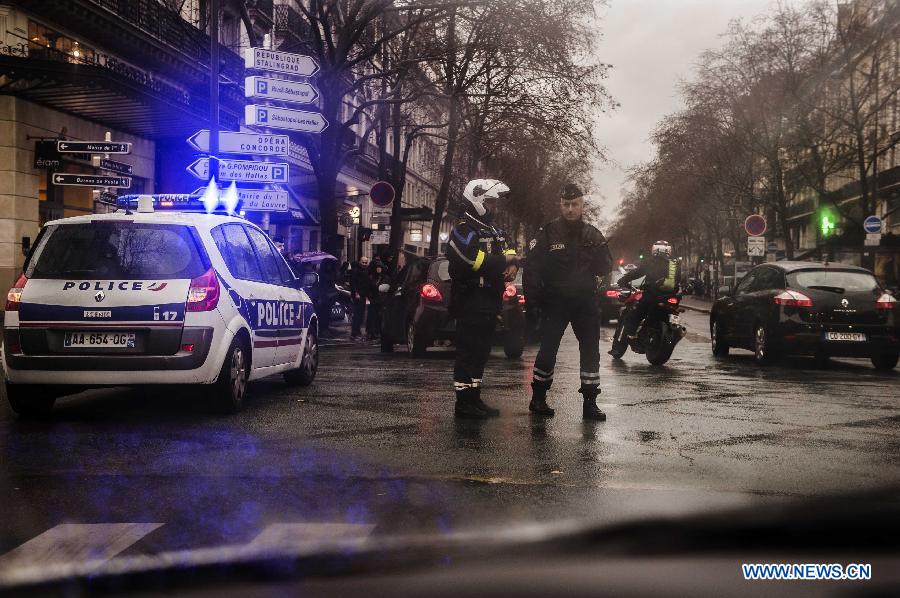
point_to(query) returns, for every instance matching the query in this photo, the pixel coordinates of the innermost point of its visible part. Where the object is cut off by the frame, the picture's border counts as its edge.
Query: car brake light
(792, 298)
(510, 291)
(430, 292)
(886, 301)
(612, 293)
(14, 296)
(521, 299)
(203, 294)
(673, 300)
(189, 347)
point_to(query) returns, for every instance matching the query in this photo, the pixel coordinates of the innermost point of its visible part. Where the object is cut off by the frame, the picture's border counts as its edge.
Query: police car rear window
(440, 270)
(116, 251)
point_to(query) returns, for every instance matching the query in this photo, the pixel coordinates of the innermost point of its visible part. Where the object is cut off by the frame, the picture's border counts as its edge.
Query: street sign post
(284, 118)
(280, 62)
(112, 165)
(755, 225)
(873, 225)
(244, 171)
(242, 143)
(94, 147)
(380, 237)
(265, 88)
(756, 246)
(92, 180)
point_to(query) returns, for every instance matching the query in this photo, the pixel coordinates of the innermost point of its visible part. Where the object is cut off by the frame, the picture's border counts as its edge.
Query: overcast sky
(652, 44)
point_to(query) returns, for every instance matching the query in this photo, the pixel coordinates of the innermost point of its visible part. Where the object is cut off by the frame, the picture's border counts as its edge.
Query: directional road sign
(755, 225)
(112, 165)
(280, 62)
(92, 180)
(872, 224)
(245, 171)
(268, 200)
(94, 147)
(264, 88)
(242, 143)
(284, 118)
(756, 246)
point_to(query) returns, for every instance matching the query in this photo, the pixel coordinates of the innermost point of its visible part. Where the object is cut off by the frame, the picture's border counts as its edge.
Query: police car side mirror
(724, 291)
(308, 279)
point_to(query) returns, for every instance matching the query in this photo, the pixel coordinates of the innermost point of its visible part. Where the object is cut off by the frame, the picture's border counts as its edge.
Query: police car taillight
(203, 294)
(510, 291)
(14, 296)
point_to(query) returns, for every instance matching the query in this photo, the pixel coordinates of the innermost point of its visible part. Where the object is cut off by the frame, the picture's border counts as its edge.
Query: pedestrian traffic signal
(827, 222)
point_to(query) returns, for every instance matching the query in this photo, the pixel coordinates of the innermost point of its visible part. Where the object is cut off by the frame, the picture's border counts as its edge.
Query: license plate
(123, 340)
(857, 337)
(674, 319)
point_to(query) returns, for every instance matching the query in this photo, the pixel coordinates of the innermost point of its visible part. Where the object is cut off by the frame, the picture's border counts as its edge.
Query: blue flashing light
(174, 202)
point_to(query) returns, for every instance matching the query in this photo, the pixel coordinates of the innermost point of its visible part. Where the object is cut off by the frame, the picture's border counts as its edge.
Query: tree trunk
(440, 203)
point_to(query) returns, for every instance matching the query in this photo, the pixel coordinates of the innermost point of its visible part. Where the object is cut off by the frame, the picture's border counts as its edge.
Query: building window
(47, 44)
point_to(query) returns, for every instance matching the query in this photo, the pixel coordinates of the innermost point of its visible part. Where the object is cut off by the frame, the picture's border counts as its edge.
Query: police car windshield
(116, 251)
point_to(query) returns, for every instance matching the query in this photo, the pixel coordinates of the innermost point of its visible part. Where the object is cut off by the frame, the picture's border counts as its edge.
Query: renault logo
(100, 296)
(844, 303)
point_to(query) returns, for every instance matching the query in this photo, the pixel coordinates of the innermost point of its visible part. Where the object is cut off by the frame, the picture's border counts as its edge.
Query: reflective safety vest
(668, 283)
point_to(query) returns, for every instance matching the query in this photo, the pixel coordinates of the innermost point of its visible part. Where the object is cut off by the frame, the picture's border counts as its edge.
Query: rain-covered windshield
(833, 279)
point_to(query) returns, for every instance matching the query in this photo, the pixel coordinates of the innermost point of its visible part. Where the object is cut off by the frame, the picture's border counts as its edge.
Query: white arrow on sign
(266, 88)
(284, 118)
(242, 143)
(280, 62)
(245, 171)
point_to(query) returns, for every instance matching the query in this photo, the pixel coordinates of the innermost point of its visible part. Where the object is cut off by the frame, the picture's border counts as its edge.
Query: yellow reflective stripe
(509, 252)
(479, 259)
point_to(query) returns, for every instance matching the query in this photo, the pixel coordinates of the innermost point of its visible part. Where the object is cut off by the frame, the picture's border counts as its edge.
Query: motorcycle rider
(563, 263)
(480, 262)
(662, 278)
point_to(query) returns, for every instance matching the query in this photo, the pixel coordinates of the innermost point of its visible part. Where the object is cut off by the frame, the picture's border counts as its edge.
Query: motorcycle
(659, 332)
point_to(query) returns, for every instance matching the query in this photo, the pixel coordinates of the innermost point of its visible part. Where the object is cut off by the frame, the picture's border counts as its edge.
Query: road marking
(294, 534)
(69, 543)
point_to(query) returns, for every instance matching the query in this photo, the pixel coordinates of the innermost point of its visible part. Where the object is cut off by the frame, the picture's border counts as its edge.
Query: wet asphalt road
(373, 443)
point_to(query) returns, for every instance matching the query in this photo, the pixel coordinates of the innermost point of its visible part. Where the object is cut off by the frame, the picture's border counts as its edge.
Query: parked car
(417, 312)
(804, 308)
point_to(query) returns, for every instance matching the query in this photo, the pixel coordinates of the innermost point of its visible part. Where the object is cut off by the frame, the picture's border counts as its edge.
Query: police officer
(480, 262)
(564, 261)
(662, 275)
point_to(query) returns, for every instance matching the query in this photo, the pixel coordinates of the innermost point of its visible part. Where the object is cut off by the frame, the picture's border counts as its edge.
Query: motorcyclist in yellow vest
(663, 276)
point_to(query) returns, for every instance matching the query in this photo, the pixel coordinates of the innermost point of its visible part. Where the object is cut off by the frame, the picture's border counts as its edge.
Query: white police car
(154, 297)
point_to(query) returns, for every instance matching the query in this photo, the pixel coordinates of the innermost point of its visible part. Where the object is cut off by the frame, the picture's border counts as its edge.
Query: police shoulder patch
(531, 244)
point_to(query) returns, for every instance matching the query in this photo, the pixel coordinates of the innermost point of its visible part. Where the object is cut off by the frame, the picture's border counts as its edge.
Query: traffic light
(640, 257)
(827, 223)
(621, 261)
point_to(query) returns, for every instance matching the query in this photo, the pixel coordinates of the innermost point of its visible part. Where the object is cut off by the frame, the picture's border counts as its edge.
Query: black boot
(590, 409)
(490, 411)
(538, 405)
(466, 407)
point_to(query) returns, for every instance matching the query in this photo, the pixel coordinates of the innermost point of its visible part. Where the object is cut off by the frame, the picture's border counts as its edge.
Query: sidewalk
(694, 303)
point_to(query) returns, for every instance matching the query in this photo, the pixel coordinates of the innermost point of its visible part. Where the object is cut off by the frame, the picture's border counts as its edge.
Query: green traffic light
(827, 224)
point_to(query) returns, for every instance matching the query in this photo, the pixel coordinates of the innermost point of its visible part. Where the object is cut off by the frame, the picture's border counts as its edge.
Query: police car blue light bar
(180, 202)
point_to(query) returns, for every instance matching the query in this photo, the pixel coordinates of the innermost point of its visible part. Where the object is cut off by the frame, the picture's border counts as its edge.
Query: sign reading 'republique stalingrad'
(280, 62)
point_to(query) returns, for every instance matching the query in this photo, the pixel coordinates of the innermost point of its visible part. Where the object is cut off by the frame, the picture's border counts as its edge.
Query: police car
(154, 297)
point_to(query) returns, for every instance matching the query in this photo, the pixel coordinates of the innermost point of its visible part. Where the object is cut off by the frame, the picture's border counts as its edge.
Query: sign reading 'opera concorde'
(265, 88)
(280, 62)
(242, 171)
(242, 143)
(284, 118)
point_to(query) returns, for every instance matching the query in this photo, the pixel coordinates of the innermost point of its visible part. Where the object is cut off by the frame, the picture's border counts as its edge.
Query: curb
(697, 309)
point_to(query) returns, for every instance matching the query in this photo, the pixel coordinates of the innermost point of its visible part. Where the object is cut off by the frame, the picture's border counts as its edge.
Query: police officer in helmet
(566, 258)
(480, 263)
(662, 276)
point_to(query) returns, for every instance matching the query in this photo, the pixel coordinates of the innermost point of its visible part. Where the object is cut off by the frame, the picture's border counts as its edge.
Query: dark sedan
(418, 313)
(806, 308)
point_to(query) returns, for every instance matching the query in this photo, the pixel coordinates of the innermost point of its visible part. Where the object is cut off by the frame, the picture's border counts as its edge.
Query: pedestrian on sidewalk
(378, 276)
(565, 261)
(360, 290)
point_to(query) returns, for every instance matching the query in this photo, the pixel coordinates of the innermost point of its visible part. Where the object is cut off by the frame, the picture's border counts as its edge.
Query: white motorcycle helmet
(477, 190)
(661, 248)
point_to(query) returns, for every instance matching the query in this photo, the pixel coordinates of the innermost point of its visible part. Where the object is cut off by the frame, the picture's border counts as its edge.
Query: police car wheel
(30, 400)
(231, 385)
(309, 363)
